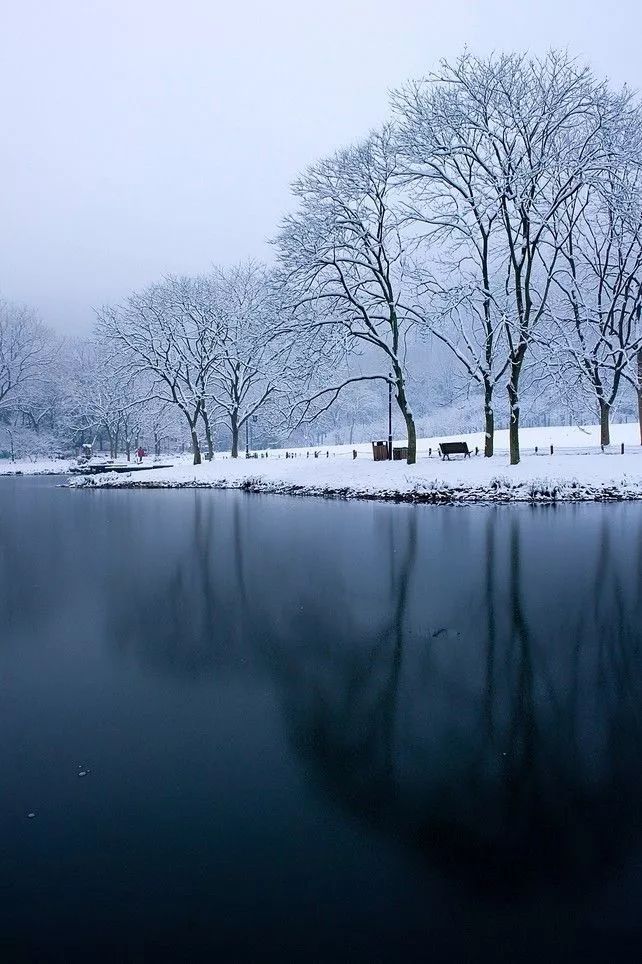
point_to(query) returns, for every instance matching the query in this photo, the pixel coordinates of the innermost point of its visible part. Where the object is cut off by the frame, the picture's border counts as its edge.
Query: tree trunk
(605, 430)
(408, 417)
(640, 392)
(513, 428)
(208, 436)
(196, 449)
(412, 437)
(234, 425)
(489, 422)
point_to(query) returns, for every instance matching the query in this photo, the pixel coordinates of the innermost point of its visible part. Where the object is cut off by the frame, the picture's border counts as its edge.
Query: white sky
(145, 136)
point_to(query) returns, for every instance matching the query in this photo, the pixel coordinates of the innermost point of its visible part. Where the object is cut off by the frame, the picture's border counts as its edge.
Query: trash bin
(400, 452)
(380, 451)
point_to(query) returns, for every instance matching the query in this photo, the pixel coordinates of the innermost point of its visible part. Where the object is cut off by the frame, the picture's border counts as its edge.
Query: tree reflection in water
(507, 752)
(467, 681)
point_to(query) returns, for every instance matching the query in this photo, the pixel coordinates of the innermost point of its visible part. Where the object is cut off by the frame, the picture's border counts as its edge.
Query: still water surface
(317, 730)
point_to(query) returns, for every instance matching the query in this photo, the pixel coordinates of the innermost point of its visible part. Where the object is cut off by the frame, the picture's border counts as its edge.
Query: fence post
(551, 449)
(622, 448)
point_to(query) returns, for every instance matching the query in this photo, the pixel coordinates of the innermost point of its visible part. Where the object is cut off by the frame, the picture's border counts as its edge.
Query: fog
(144, 137)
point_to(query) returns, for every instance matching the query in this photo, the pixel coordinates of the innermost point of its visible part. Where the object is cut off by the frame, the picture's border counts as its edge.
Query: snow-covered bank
(577, 471)
(579, 438)
(36, 466)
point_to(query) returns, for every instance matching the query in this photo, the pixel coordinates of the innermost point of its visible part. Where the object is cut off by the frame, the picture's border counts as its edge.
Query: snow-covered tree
(168, 335)
(343, 261)
(596, 319)
(502, 144)
(102, 398)
(253, 358)
(457, 214)
(26, 353)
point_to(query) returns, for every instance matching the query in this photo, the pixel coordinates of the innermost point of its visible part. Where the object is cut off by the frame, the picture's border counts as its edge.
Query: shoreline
(499, 491)
(558, 465)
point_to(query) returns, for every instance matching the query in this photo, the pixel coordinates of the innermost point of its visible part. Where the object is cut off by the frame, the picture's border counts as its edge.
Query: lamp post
(247, 440)
(390, 415)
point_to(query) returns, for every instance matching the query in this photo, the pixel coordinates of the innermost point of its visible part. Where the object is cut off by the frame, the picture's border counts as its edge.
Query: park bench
(446, 449)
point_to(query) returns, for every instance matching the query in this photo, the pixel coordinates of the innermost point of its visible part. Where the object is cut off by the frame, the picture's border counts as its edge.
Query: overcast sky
(142, 136)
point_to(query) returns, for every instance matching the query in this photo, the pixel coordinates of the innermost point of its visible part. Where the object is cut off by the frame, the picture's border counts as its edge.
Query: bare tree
(516, 139)
(467, 320)
(41, 403)
(342, 257)
(27, 349)
(161, 425)
(597, 334)
(169, 335)
(252, 362)
(455, 209)
(100, 397)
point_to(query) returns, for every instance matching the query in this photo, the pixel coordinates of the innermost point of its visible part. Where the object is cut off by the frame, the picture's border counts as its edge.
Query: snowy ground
(577, 471)
(35, 466)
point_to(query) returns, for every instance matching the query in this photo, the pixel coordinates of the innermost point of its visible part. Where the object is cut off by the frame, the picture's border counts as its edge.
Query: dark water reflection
(317, 730)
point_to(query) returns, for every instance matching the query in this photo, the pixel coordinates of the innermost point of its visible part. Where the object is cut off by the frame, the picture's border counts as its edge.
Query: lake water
(316, 730)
